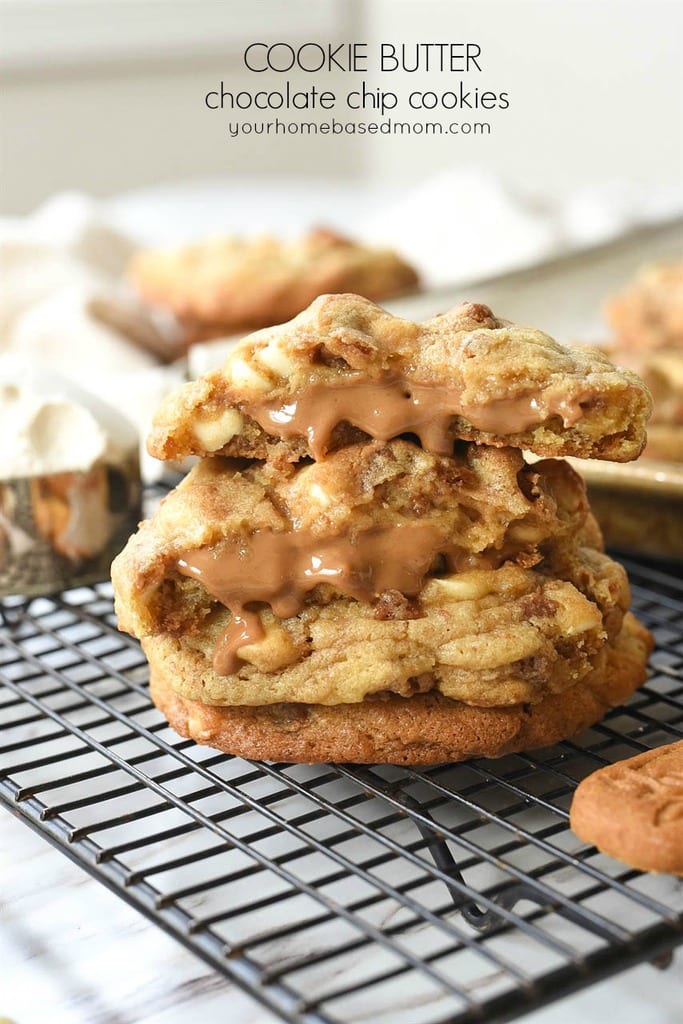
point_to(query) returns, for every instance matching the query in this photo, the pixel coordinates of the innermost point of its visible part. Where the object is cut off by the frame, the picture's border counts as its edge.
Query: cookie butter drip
(279, 569)
(387, 408)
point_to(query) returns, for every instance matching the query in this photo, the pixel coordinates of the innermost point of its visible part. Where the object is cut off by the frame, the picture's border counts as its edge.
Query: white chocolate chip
(464, 586)
(273, 652)
(214, 433)
(275, 359)
(318, 494)
(574, 613)
(242, 375)
(589, 618)
(306, 488)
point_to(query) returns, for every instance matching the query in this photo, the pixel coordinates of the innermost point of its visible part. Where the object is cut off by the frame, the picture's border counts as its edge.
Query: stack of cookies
(363, 566)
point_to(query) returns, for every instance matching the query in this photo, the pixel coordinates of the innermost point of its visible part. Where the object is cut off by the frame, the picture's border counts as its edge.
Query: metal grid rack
(335, 893)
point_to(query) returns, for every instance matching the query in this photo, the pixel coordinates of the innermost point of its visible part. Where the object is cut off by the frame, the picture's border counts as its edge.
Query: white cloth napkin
(64, 305)
(461, 225)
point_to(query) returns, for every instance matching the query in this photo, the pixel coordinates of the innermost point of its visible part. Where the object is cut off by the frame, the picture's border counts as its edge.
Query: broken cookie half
(366, 568)
(345, 370)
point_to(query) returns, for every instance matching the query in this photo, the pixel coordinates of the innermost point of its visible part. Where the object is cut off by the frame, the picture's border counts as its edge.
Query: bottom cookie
(423, 729)
(633, 810)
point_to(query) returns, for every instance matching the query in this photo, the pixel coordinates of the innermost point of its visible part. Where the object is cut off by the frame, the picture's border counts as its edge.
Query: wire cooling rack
(335, 893)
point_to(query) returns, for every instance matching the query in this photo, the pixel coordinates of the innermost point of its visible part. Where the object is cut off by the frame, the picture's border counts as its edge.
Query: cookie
(662, 373)
(648, 313)
(378, 567)
(633, 810)
(422, 729)
(225, 285)
(484, 507)
(486, 638)
(345, 370)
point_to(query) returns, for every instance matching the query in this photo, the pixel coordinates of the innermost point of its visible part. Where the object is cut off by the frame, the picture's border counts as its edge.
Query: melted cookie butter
(280, 568)
(388, 407)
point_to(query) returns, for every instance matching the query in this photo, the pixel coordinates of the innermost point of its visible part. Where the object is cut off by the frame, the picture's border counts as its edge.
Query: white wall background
(107, 95)
(596, 88)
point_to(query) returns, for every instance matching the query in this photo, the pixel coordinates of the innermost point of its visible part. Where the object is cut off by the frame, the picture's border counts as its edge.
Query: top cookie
(345, 369)
(648, 314)
(226, 284)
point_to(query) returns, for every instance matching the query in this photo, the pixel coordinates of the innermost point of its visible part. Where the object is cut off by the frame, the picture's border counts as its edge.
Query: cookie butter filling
(279, 569)
(386, 408)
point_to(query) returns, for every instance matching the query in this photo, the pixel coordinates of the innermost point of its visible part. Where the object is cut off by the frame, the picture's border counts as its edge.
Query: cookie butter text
(409, 57)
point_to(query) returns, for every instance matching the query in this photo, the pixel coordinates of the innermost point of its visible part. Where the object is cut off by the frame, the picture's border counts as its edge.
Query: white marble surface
(74, 953)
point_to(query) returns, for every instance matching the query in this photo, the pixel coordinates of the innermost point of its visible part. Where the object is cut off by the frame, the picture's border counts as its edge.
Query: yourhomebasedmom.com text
(335, 127)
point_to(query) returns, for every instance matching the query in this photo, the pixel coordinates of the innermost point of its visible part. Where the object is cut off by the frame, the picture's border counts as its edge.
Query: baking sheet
(564, 296)
(646, 476)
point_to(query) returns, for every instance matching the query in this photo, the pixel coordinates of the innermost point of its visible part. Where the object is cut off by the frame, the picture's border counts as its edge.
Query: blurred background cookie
(648, 313)
(647, 320)
(224, 285)
(640, 507)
